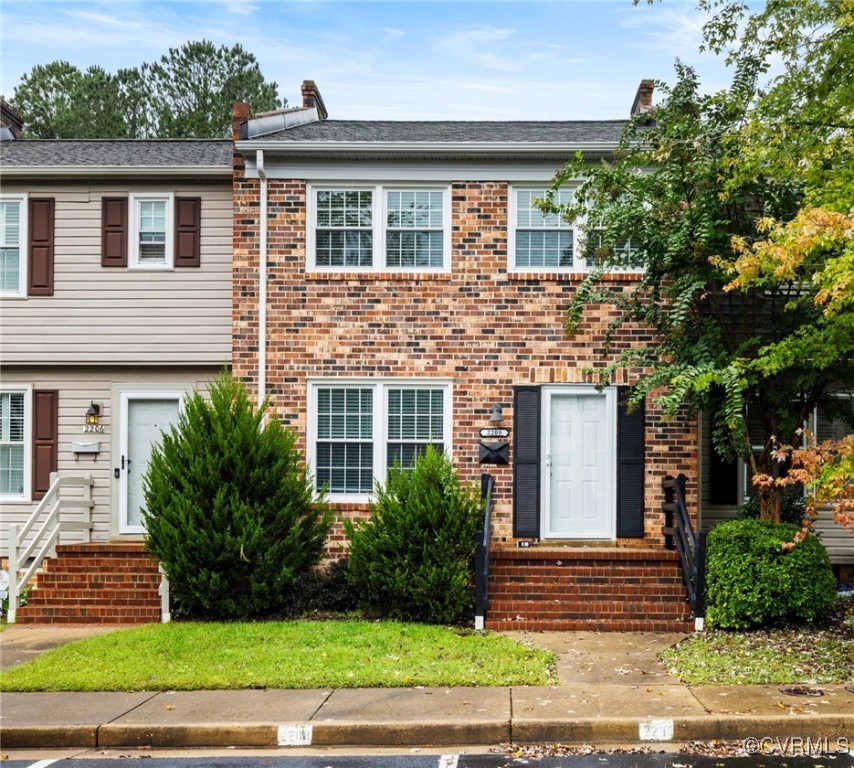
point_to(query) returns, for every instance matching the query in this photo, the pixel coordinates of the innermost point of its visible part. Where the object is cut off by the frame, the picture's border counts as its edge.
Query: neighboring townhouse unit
(409, 291)
(115, 300)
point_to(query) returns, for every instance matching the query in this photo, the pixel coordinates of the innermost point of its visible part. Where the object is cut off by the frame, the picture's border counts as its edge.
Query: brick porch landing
(577, 588)
(95, 584)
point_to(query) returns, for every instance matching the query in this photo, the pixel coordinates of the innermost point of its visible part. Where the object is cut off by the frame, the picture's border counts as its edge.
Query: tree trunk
(771, 503)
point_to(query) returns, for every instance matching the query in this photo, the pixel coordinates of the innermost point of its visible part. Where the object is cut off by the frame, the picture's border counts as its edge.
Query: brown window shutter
(114, 232)
(188, 231)
(40, 256)
(45, 439)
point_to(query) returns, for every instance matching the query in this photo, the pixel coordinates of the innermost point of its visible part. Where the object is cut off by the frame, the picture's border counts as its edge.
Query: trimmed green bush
(231, 512)
(751, 581)
(413, 559)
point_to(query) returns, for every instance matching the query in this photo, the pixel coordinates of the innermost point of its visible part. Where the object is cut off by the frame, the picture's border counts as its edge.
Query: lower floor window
(358, 430)
(13, 454)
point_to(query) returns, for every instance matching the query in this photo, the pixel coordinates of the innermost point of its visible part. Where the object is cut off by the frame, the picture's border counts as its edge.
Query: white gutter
(431, 147)
(95, 171)
(262, 282)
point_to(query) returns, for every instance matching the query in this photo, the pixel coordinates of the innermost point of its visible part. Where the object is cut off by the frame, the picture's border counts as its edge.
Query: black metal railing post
(691, 547)
(481, 552)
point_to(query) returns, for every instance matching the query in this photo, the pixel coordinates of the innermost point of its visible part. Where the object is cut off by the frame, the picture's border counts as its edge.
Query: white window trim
(23, 265)
(27, 496)
(135, 200)
(378, 217)
(579, 239)
(379, 440)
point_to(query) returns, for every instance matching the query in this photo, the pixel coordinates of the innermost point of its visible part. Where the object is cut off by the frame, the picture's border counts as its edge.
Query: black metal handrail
(481, 552)
(691, 546)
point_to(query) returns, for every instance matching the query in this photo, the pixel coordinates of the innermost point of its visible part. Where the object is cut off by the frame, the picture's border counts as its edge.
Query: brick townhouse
(406, 290)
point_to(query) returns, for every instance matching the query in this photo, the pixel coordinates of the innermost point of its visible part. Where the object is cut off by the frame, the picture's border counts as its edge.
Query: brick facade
(485, 328)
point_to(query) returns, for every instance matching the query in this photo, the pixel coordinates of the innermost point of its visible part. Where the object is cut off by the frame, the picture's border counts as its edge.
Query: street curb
(438, 733)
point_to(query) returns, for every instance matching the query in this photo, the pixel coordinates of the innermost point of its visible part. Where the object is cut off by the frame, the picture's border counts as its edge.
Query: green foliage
(187, 93)
(702, 182)
(230, 510)
(192, 89)
(327, 590)
(754, 580)
(413, 558)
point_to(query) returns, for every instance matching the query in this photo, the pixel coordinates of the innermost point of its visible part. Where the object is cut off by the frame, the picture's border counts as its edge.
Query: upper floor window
(540, 240)
(152, 231)
(547, 241)
(377, 228)
(358, 429)
(14, 443)
(12, 248)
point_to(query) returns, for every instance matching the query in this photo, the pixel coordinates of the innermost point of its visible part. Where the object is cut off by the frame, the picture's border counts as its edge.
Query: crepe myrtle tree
(733, 334)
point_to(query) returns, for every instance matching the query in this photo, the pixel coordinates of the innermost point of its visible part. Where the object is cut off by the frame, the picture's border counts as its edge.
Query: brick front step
(573, 588)
(95, 584)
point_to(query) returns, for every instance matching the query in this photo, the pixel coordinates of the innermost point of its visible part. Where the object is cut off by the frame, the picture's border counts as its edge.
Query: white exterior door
(579, 466)
(144, 416)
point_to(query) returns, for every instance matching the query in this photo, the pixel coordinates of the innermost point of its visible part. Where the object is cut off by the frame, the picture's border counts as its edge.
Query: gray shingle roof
(130, 153)
(568, 132)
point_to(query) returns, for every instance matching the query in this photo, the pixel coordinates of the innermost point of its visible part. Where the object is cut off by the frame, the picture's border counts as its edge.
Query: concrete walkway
(611, 691)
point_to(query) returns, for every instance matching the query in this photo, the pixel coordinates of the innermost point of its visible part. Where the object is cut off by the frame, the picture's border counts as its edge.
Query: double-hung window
(12, 250)
(378, 228)
(621, 254)
(358, 429)
(540, 240)
(152, 233)
(15, 405)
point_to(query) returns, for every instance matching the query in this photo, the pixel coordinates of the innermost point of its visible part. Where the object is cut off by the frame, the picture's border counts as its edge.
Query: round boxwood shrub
(752, 581)
(230, 510)
(413, 558)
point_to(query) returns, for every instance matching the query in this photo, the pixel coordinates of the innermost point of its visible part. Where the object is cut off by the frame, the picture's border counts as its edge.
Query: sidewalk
(611, 691)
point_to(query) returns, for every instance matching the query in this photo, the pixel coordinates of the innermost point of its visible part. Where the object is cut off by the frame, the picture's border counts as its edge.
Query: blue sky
(558, 60)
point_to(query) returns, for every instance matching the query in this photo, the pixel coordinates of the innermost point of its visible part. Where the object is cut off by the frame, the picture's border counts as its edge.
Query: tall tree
(58, 101)
(192, 89)
(710, 191)
(185, 94)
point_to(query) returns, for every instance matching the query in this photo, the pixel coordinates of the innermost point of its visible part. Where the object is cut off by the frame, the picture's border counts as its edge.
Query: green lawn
(766, 657)
(300, 654)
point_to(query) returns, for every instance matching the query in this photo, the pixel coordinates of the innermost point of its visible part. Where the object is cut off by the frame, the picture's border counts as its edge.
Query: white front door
(579, 466)
(144, 416)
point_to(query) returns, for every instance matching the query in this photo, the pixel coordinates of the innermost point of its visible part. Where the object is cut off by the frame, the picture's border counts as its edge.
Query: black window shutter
(188, 230)
(526, 462)
(630, 469)
(40, 262)
(45, 439)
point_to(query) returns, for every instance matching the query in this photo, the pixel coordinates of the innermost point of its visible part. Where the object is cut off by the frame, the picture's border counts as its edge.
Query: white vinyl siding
(378, 228)
(540, 240)
(15, 449)
(125, 316)
(357, 429)
(12, 246)
(152, 233)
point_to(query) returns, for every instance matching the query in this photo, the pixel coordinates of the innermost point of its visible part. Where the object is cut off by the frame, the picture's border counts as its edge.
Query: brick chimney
(643, 98)
(311, 98)
(240, 114)
(11, 125)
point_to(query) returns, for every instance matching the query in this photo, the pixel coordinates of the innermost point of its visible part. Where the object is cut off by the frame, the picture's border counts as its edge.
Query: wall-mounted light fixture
(93, 413)
(496, 415)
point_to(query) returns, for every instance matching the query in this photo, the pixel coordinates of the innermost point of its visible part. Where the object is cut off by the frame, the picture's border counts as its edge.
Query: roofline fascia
(77, 171)
(273, 147)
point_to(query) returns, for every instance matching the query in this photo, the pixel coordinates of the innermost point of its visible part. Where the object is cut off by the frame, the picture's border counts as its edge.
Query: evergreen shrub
(230, 509)
(413, 558)
(752, 581)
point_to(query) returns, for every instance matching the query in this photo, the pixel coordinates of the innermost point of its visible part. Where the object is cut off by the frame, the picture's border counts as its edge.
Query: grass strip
(761, 658)
(189, 656)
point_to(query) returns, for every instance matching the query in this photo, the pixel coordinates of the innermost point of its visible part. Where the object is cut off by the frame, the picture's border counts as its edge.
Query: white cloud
(390, 33)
